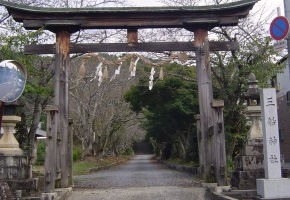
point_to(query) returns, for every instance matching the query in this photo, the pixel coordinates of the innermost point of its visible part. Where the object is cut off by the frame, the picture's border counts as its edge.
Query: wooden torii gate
(199, 19)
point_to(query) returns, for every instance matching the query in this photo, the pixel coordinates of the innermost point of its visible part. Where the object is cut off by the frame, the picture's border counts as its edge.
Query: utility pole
(287, 15)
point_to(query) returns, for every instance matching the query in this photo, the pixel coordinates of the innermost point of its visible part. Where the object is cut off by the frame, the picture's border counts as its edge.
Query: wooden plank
(50, 151)
(218, 104)
(51, 108)
(143, 22)
(124, 47)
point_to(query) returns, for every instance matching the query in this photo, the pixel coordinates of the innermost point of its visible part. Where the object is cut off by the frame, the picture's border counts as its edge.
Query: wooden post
(62, 61)
(201, 147)
(50, 150)
(205, 99)
(219, 142)
(70, 152)
(132, 37)
(211, 117)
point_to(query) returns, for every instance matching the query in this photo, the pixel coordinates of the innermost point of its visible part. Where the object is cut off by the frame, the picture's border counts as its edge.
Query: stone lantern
(8, 143)
(14, 168)
(249, 164)
(253, 110)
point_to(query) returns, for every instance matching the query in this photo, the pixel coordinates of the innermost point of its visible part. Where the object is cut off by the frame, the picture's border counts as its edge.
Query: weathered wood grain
(71, 19)
(137, 47)
(70, 152)
(50, 150)
(62, 62)
(205, 99)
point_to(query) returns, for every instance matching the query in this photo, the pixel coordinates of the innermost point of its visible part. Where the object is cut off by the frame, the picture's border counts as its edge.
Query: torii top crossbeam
(74, 19)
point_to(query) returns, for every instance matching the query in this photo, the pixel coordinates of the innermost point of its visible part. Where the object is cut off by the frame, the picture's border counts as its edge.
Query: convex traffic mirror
(12, 80)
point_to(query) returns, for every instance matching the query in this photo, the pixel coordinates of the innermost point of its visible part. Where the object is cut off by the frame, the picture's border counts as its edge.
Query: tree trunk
(90, 134)
(33, 127)
(83, 149)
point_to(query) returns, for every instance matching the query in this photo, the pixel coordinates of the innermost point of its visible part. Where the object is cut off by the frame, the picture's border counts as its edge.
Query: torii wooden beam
(198, 19)
(129, 47)
(73, 19)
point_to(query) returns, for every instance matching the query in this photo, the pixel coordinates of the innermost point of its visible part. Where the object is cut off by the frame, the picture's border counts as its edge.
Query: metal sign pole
(287, 15)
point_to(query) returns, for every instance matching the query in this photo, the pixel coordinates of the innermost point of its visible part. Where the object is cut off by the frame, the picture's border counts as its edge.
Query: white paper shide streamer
(151, 78)
(98, 74)
(117, 72)
(133, 72)
(132, 68)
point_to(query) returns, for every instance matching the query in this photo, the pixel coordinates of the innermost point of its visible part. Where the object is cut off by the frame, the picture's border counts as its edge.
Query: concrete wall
(283, 82)
(284, 112)
(284, 126)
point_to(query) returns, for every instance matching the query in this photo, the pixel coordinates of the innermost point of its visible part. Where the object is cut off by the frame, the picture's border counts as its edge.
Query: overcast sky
(270, 6)
(266, 9)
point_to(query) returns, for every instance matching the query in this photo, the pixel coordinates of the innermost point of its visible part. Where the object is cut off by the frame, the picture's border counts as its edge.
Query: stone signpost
(273, 186)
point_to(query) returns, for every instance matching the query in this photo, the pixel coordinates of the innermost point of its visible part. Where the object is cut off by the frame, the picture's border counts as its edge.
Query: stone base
(48, 196)
(259, 198)
(64, 193)
(26, 184)
(251, 157)
(246, 180)
(13, 167)
(273, 188)
(11, 152)
(249, 165)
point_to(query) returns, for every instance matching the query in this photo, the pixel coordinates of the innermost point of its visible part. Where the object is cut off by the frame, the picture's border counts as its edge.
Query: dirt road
(141, 179)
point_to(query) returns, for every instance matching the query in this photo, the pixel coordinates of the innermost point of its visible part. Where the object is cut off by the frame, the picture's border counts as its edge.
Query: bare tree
(102, 118)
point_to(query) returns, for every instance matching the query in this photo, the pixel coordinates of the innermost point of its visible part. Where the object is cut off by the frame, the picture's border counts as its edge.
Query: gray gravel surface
(141, 178)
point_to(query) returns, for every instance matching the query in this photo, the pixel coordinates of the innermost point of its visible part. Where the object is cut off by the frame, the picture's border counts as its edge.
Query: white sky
(267, 7)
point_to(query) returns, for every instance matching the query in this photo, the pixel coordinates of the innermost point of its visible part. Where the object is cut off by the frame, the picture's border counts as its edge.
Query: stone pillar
(273, 186)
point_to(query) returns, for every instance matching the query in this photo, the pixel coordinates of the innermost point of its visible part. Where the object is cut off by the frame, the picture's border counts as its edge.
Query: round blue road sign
(279, 28)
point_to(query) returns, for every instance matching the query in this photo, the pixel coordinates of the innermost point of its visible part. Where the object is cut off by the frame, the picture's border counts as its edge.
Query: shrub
(128, 152)
(77, 153)
(40, 153)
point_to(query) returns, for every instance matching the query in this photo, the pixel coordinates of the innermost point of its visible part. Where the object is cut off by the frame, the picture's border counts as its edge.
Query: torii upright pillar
(213, 164)
(62, 63)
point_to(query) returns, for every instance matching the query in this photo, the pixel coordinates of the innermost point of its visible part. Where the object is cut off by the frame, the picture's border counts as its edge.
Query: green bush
(40, 153)
(77, 153)
(128, 152)
(230, 165)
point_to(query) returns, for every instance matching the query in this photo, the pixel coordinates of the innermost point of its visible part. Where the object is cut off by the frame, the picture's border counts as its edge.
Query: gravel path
(141, 178)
